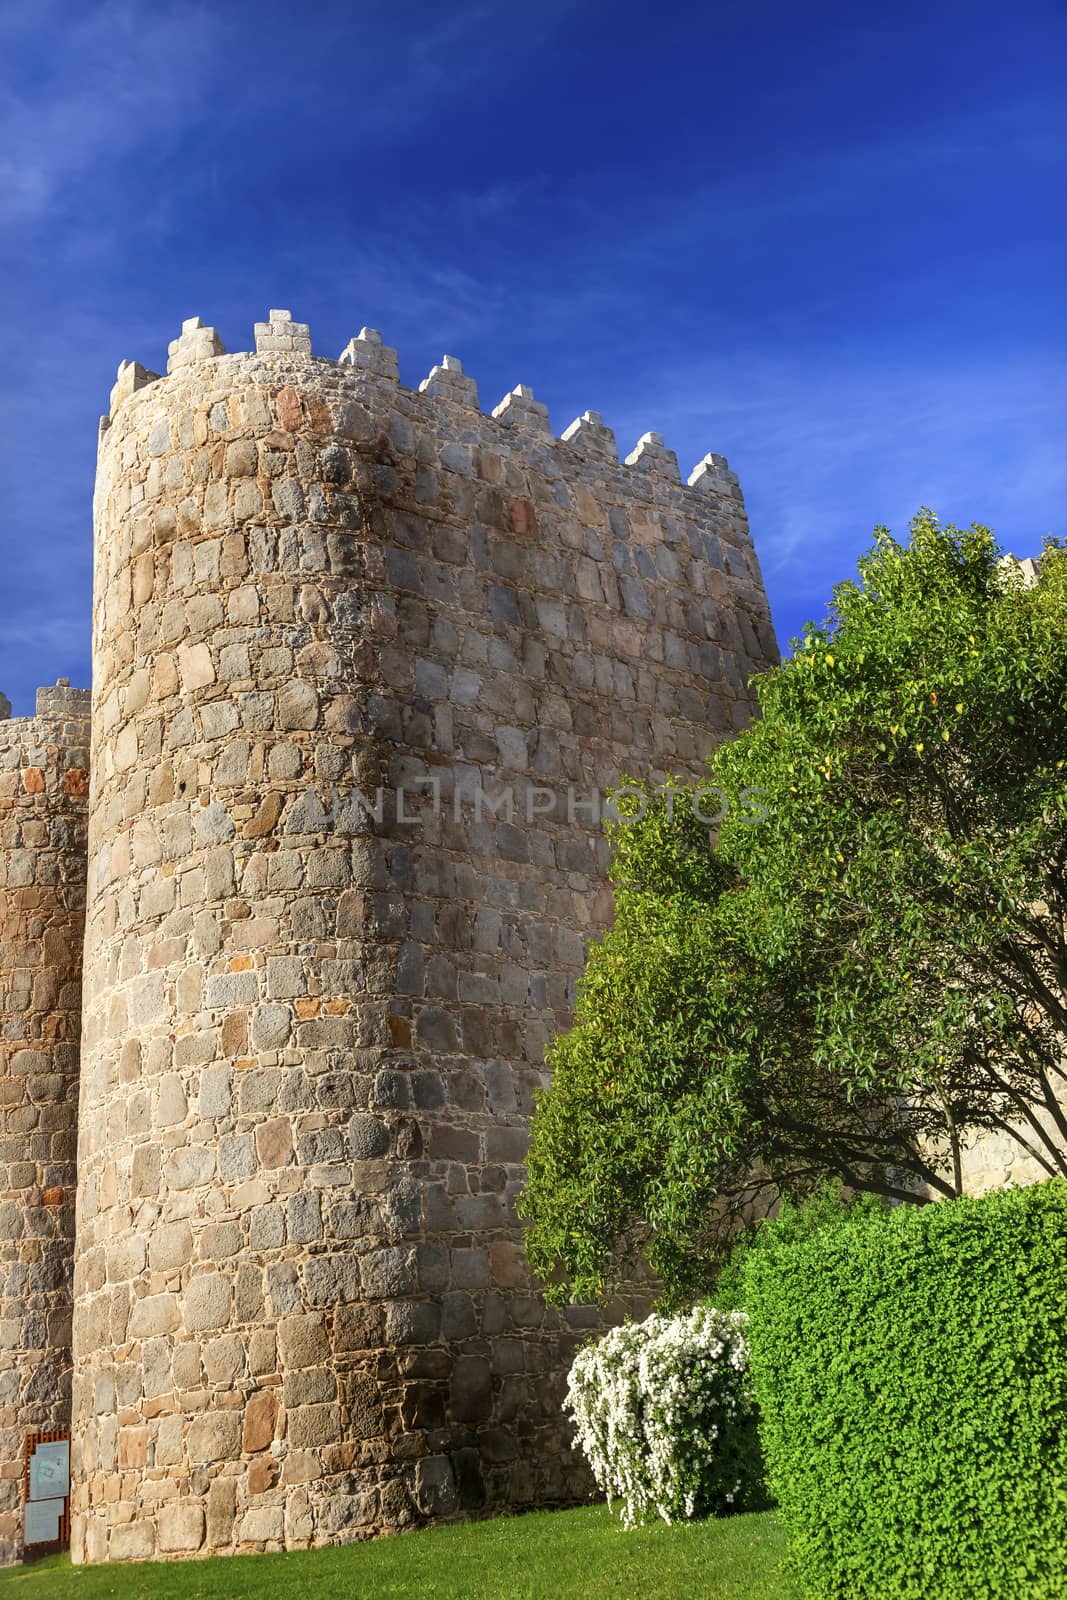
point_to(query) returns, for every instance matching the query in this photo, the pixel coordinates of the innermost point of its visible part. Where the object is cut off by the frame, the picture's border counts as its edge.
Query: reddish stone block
(290, 414)
(260, 1415)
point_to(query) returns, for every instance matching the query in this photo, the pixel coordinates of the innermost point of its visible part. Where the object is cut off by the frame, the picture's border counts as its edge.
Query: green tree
(861, 981)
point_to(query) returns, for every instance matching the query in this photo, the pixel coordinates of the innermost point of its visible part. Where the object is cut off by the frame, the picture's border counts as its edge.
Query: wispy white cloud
(120, 79)
(114, 79)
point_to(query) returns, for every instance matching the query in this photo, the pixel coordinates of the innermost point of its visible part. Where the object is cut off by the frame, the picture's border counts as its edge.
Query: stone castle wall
(43, 817)
(312, 1038)
(994, 1161)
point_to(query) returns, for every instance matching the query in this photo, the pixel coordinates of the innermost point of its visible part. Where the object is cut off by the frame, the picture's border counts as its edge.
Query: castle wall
(43, 815)
(992, 1160)
(311, 1038)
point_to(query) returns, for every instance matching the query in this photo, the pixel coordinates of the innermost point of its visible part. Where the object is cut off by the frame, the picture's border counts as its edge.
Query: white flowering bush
(665, 1414)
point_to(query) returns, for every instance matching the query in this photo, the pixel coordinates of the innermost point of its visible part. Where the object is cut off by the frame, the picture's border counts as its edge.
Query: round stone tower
(44, 785)
(363, 657)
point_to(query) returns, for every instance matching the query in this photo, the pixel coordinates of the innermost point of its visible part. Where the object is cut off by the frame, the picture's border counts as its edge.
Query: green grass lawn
(547, 1555)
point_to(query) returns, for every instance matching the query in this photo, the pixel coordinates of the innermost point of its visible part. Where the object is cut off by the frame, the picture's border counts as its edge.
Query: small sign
(45, 1492)
(42, 1521)
(50, 1470)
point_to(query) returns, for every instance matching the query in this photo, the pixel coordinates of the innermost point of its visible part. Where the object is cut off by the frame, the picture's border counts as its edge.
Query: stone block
(155, 1314)
(302, 1340)
(263, 1525)
(224, 1360)
(216, 1091)
(271, 1026)
(304, 1218)
(435, 1029)
(132, 1541)
(447, 381)
(311, 1427)
(412, 1322)
(368, 1137)
(170, 1246)
(435, 1486)
(309, 1386)
(207, 1303)
(588, 435)
(215, 1438)
(331, 1280)
(519, 409)
(261, 1413)
(274, 1142)
(286, 978)
(182, 1526)
(470, 1398)
(220, 1512)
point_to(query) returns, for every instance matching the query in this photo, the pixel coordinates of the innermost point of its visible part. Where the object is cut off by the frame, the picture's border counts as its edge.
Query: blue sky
(827, 241)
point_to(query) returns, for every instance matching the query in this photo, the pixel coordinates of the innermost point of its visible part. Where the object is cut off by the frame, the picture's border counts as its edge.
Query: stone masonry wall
(43, 816)
(311, 1037)
(994, 1161)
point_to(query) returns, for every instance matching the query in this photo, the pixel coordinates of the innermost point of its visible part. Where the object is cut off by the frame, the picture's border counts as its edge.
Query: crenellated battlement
(54, 701)
(281, 333)
(448, 381)
(652, 455)
(588, 435)
(60, 700)
(366, 357)
(194, 343)
(367, 353)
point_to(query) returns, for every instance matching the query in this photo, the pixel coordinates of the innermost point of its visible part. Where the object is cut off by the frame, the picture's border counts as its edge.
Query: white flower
(655, 1404)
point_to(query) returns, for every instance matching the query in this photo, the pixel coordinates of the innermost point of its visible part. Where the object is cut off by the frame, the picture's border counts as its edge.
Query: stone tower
(44, 786)
(336, 622)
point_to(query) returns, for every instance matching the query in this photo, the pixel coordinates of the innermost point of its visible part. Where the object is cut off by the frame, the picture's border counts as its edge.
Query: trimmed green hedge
(828, 1206)
(911, 1371)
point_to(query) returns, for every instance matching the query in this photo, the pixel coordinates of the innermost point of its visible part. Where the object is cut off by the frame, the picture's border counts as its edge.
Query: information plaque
(43, 1518)
(50, 1470)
